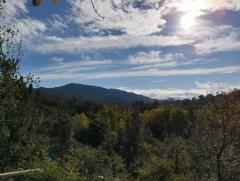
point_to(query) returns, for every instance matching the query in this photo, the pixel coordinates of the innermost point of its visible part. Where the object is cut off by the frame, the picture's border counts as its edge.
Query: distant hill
(93, 93)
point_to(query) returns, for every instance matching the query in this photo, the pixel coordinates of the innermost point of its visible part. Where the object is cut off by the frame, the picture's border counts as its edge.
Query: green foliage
(52, 171)
(175, 149)
(185, 140)
(156, 169)
(167, 120)
(18, 113)
(112, 120)
(93, 163)
(159, 144)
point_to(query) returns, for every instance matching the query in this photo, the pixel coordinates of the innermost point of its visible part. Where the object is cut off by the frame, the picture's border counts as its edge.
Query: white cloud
(162, 94)
(137, 22)
(30, 28)
(157, 59)
(16, 17)
(144, 17)
(58, 23)
(156, 65)
(74, 66)
(170, 72)
(14, 8)
(124, 16)
(216, 87)
(201, 89)
(57, 59)
(53, 39)
(73, 72)
(223, 43)
(208, 36)
(138, 26)
(76, 45)
(158, 81)
(153, 57)
(200, 7)
(198, 61)
(145, 57)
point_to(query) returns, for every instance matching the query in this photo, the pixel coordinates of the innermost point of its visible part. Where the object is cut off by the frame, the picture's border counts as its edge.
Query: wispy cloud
(16, 17)
(30, 28)
(139, 73)
(77, 45)
(57, 59)
(75, 66)
(141, 28)
(216, 86)
(158, 81)
(124, 16)
(154, 57)
(58, 23)
(15, 8)
(217, 44)
(200, 7)
(135, 17)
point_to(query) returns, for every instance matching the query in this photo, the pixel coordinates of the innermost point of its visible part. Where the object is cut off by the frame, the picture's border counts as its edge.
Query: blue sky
(157, 48)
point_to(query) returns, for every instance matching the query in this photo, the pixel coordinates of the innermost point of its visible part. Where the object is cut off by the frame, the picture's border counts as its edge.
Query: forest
(69, 139)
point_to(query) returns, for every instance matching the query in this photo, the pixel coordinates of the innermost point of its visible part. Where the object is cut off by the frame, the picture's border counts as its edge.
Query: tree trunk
(219, 175)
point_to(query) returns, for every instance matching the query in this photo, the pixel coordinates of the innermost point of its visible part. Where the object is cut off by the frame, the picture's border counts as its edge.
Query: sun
(191, 10)
(188, 20)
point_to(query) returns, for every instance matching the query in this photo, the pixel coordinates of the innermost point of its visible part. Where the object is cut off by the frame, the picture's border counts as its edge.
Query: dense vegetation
(73, 140)
(70, 139)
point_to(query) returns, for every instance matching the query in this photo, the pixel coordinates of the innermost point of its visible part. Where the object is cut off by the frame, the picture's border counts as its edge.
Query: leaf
(54, 1)
(36, 2)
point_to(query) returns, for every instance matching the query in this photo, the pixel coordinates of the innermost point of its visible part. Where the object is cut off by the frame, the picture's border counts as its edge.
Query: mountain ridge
(93, 93)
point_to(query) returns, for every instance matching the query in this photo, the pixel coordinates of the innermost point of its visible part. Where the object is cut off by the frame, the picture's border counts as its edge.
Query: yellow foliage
(81, 121)
(54, 1)
(36, 2)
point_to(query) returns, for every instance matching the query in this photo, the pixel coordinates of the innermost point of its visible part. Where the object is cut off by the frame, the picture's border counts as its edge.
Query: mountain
(93, 93)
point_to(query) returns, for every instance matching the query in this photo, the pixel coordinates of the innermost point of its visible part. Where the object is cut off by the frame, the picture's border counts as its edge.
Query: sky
(158, 48)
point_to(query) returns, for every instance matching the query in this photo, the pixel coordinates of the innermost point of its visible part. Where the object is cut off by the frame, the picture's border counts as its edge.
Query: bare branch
(19, 49)
(11, 174)
(96, 11)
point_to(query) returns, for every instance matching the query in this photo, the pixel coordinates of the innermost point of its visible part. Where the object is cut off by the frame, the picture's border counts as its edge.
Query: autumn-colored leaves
(38, 2)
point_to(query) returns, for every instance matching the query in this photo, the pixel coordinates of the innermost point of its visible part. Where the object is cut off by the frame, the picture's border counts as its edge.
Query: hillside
(93, 93)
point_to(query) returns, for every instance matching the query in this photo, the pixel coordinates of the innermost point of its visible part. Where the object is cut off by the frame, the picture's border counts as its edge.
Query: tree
(155, 169)
(92, 164)
(131, 141)
(220, 119)
(53, 171)
(18, 113)
(175, 149)
(166, 120)
(61, 130)
(81, 121)
(112, 120)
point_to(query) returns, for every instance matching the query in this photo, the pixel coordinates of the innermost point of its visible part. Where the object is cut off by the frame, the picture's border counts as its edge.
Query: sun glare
(188, 20)
(191, 10)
